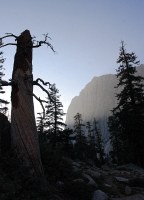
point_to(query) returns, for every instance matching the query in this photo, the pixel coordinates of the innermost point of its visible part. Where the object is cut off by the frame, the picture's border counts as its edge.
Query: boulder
(89, 179)
(78, 180)
(128, 190)
(122, 179)
(94, 174)
(99, 195)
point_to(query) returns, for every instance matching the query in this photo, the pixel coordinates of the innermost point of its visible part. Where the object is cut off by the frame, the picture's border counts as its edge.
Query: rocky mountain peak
(96, 100)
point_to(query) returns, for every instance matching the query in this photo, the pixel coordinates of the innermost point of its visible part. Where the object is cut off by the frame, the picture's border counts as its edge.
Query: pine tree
(91, 140)
(54, 115)
(40, 123)
(66, 142)
(3, 103)
(117, 151)
(130, 108)
(81, 142)
(41, 129)
(99, 142)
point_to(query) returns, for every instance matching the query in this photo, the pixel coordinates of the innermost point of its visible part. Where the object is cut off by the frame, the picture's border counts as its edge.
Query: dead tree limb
(41, 101)
(3, 45)
(6, 36)
(39, 43)
(42, 81)
(36, 82)
(5, 83)
(9, 35)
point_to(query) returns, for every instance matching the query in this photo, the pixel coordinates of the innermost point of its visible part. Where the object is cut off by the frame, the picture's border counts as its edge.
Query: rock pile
(113, 183)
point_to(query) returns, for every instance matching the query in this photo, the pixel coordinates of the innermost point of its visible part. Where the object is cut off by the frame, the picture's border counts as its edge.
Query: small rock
(107, 185)
(122, 179)
(99, 195)
(105, 167)
(76, 169)
(90, 180)
(131, 167)
(76, 164)
(79, 180)
(93, 173)
(104, 173)
(59, 183)
(128, 190)
(132, 197)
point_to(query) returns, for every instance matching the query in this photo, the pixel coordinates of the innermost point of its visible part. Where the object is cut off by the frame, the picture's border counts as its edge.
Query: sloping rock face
(97, 100)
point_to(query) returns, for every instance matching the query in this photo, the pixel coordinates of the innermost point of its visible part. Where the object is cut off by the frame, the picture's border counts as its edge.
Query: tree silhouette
(129, 113)
(23, 126)
(54, 115)
(99, 142)
(81, 142)
(3, 103)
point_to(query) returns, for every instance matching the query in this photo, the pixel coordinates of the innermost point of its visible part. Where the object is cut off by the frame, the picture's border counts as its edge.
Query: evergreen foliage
(127, 121)
(99, 142)
(115, 130)
(91, 143)
(54, 115)
(81, 142)
(3, 103)
(88, 141)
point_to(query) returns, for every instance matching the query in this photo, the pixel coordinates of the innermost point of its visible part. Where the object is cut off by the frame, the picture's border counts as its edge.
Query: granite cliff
(96, 100)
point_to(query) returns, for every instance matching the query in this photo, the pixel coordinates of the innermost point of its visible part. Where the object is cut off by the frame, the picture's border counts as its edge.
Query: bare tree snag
(23, 125)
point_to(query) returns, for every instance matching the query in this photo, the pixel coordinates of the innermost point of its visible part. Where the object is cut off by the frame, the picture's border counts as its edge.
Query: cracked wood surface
(23, 125)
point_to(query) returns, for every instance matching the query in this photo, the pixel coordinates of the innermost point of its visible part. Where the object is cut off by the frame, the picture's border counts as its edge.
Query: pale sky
(86, 35)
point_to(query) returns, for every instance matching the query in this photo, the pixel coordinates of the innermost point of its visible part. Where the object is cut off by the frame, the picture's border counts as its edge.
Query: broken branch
(9, 35)
(5, 83)
(36, 82)
(39, 43)
(41, 102)
(8, 44)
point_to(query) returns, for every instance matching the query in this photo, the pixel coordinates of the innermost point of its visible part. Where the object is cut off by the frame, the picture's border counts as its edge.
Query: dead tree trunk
(23, 126)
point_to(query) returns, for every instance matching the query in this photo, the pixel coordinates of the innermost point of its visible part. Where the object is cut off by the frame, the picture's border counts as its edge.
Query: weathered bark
(23, 127)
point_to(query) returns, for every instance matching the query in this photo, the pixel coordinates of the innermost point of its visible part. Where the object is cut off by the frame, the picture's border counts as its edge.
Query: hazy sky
(86, 35)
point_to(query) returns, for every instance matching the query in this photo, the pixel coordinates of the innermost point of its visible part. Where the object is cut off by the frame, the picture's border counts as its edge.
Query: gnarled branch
(39, 43)
(41, 101)
(3, 45)
(7, 35)
(5, 83)
(36, 82)
(42, 81)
